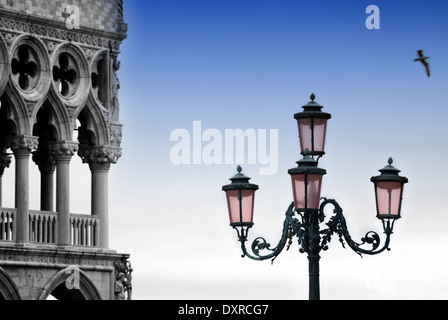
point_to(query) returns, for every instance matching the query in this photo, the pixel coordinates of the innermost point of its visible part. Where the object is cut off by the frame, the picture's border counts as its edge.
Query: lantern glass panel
(388, 197)
(306, 134)
(314, 185)
(247, 205)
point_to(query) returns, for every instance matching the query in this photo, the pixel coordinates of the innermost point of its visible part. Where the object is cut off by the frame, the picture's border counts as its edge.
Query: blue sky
(251, 64)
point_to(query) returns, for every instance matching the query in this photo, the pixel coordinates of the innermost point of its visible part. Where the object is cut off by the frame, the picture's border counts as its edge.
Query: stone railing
(84, 230)
(7, 224)
(43, 228)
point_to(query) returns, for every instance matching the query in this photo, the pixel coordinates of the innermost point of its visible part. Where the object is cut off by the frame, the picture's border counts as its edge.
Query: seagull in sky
(423, 59)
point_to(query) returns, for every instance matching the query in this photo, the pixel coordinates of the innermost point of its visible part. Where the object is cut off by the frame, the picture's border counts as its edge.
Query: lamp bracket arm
(337, 225)
(290, 227)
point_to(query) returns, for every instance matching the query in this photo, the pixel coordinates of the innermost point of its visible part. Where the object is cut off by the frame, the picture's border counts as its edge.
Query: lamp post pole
(313, 259)
(307, 212)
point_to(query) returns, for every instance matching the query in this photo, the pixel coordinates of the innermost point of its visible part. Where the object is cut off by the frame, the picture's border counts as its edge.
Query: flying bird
(423, 59)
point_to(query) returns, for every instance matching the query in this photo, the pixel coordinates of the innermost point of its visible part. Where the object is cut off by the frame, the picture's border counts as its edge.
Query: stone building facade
(59, 99)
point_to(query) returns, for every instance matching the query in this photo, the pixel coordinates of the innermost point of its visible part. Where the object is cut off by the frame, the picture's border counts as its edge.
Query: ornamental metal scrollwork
(311, 240)
(337, 225)
(261, 244)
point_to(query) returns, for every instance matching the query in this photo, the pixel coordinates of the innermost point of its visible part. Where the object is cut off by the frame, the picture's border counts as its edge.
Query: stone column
(99, 160)
(47, 166)
(63, 152)
(22, 146)
(5, 161)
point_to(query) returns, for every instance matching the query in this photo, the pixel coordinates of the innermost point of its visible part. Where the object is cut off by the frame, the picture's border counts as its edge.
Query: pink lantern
(240, 200)
(307, 184)
(389, 192)
(312, 123)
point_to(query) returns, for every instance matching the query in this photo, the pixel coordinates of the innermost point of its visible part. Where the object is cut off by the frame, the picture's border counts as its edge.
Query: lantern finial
(313, 97)
(239, 169)
(390, 161)
(306, 153)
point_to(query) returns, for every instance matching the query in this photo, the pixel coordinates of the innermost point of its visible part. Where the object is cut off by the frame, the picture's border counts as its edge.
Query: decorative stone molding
(23, 143)
(45, 160)
(71, 112)
(50, 46)
(30, 106)
(5, 162)
(63, 150)
(84, 258)
(88, 37)
(116, 133)
(9, 38)
(4, 64)
(88, 53)
(100, 158)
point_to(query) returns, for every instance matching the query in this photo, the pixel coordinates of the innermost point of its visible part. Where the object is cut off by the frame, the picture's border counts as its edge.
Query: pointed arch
(96, 122)
(8, 289)
(60, 117)
(98, 104)
(18, 111)
(4, 64)
(57, 285)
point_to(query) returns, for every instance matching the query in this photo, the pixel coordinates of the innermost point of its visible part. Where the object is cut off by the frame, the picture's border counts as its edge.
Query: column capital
(44, 160)
(63, 150)
(23, 144)
(5, 162)
(100, 157)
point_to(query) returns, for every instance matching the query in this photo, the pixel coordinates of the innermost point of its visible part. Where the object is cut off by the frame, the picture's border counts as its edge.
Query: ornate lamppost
(305, 215)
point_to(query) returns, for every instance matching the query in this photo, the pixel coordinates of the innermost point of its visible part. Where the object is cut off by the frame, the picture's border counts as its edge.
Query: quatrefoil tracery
(24, 68)
(65, 75)
(33, 71)
(98, 79)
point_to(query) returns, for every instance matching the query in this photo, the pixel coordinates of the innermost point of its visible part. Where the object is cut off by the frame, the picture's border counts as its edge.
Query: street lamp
(307, 183)
(389, 192)
(312, 123)
(240, 200)
(306, 213)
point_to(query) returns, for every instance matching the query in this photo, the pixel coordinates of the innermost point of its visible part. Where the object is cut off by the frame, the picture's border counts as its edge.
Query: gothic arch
(87, 290)
(95, 121)
(17, 111)
(4, 64)
(8, 289)
(60, 119)
(46, 126)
